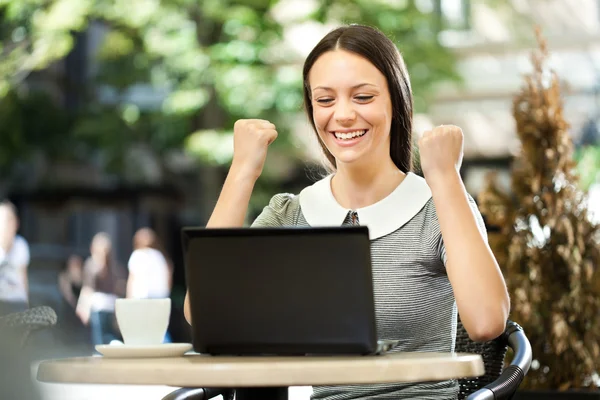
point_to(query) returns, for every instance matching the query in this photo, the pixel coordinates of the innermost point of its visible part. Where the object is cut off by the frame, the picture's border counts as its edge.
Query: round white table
(262, 377)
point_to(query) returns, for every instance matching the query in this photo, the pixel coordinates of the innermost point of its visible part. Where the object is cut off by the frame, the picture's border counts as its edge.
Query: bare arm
(476, 279)
(84, 304)
(232, 205)
(230, 210)
(130, 285)
(64, 284)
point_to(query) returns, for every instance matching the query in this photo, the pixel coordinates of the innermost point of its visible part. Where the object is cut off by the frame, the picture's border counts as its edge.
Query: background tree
(173, 75)
(547, 246)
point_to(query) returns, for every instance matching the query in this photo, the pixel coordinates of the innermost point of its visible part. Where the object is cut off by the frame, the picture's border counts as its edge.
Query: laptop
(281, 291)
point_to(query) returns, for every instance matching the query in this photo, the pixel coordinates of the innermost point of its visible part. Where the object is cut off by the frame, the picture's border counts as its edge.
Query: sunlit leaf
(211, 146)
(185, 101)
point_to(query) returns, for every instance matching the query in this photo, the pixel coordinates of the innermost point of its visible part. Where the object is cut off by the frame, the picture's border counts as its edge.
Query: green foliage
(414, 32)
(45, 132)
(35, 33)
(588, 166)
(205, 63)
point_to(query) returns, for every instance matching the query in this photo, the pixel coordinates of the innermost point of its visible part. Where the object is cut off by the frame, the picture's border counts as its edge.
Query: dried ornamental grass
(547, 247)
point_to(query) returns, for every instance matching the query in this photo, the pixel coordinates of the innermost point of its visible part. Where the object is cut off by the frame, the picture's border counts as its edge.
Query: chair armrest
(31, 319)
(199, 394)
(508, 382)
(20, 325)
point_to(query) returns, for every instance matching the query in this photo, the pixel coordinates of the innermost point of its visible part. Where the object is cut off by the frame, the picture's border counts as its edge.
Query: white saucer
(141, 351)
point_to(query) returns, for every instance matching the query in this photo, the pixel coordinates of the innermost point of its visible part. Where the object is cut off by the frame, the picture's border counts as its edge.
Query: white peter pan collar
(320, 208)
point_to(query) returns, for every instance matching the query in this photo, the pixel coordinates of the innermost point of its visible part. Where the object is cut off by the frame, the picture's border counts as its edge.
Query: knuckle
(263, 133)
(240, 124)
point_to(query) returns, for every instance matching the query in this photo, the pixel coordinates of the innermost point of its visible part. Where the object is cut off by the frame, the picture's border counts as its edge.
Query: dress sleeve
(281, 211)
(480, 225)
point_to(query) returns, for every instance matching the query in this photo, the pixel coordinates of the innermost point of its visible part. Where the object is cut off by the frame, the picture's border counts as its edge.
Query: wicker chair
(498, 383)
(16, 382)
(19, 326)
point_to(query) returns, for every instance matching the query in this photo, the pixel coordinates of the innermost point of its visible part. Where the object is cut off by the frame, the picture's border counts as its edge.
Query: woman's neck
(354, 187)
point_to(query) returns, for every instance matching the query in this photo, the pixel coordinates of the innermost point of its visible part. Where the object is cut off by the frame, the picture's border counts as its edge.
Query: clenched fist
(441, 150)
(251, 138)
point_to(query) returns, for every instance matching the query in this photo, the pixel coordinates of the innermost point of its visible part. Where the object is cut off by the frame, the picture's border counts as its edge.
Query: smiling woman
(352, 120)
(429, 251)
(349, 81)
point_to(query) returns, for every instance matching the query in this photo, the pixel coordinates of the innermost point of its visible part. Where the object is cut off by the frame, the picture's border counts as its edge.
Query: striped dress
(414, 302)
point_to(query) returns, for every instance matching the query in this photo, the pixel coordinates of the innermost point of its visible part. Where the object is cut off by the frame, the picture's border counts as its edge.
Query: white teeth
(350, 135)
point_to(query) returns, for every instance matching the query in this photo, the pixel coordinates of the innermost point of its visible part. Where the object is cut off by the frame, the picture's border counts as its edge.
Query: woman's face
(352, 108)
(100, 247)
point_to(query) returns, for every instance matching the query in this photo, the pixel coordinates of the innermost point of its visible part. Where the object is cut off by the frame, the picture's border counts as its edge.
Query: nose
(344, 113)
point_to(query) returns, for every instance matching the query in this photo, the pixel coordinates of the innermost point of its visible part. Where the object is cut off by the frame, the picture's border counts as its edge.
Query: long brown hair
(374, 46)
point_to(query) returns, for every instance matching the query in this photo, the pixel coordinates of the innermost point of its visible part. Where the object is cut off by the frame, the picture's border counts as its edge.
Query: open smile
(349, 137)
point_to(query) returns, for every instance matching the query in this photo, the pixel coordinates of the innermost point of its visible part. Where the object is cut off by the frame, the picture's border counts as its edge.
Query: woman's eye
(324, 101)
(364, 98)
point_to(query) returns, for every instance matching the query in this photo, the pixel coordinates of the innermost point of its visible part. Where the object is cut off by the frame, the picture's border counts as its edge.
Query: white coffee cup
(143, 321)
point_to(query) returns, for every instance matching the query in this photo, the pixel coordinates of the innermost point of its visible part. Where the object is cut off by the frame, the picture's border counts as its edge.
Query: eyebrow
(353, 87)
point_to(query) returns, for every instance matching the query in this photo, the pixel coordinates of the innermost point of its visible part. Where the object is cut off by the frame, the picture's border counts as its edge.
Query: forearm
(85, 297)
(187, 313)
(129, 287)
(474, 274)
(232, 205)
(66, 289)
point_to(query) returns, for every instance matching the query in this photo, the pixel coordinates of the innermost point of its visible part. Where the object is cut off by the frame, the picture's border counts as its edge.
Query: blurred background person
(15, 380)
(103, 283)
(70, 280)
(14, 261)
(149, 269)
(72, 332)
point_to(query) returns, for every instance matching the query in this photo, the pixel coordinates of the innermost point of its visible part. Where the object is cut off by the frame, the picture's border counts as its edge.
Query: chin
(347, 157)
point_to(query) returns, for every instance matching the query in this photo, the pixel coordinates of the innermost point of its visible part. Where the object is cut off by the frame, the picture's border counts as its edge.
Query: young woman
(103, 283)
(70, 280)
(429, 246)
(149, 270)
